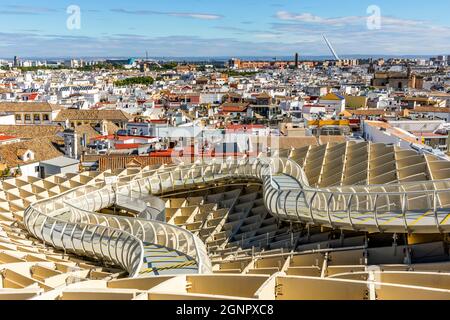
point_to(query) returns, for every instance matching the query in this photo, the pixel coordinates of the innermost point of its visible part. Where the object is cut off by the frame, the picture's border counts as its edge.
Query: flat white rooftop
(61, 162)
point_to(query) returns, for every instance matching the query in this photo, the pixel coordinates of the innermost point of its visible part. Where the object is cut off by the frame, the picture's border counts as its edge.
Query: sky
(208, 28)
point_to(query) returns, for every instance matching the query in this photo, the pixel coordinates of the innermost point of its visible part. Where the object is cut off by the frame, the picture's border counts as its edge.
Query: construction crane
(155, 62)
(336, 57)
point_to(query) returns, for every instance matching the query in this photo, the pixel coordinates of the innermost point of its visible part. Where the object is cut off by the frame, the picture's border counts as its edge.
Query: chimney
(104, 128)
(70, 144)
(84, 140)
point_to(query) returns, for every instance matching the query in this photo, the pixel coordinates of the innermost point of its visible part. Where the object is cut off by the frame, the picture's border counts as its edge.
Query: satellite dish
(383, 104)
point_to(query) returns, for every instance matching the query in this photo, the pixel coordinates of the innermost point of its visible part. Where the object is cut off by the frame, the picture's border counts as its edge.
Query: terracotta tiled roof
(74, 114)
(92, 133)
(419, 99)
(124, 146)
(4, 137)
(367, 112)
(234, 107)
(439, 94)
(431, 109)
(428, 134)
(31, 131)
(332, 96)
(111, 127)
(233, 95)
(44, 149)
(241, 127)
(28, 107)
(88, 130)
(263, 95)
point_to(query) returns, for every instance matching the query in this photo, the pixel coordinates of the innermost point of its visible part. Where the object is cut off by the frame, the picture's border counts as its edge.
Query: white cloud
(346, 21)
(310, 18)
(193, 15)
(201, 16)
(350, 34)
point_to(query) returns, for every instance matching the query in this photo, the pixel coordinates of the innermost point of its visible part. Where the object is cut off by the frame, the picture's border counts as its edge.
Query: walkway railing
(69, 221)
(58, 225)
(407, 207)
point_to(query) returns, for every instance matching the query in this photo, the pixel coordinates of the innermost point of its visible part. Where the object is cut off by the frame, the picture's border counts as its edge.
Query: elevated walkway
(69, 221)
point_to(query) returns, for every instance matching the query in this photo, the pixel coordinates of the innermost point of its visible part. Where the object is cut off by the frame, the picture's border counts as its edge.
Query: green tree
(134, 81)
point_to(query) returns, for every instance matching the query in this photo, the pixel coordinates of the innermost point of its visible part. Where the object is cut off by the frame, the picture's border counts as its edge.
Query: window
(18, 117)
(37, 117)
(46, 117)
(27, 117)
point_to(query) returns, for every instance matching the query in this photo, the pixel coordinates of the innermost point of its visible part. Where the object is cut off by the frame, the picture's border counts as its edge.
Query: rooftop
(430, 109)
(44, 148)
(61, 162)
(332, 96)
(28, 107)
(74, 115)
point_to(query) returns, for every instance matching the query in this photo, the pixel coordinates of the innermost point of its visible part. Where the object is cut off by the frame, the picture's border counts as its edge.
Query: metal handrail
(319, 203)
(204, 266)
(132, 266)
(293, 254)
(174, 230)
(171, 231)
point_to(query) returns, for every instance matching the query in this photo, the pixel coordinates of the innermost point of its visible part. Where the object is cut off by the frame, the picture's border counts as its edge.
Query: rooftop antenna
(336, 57)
